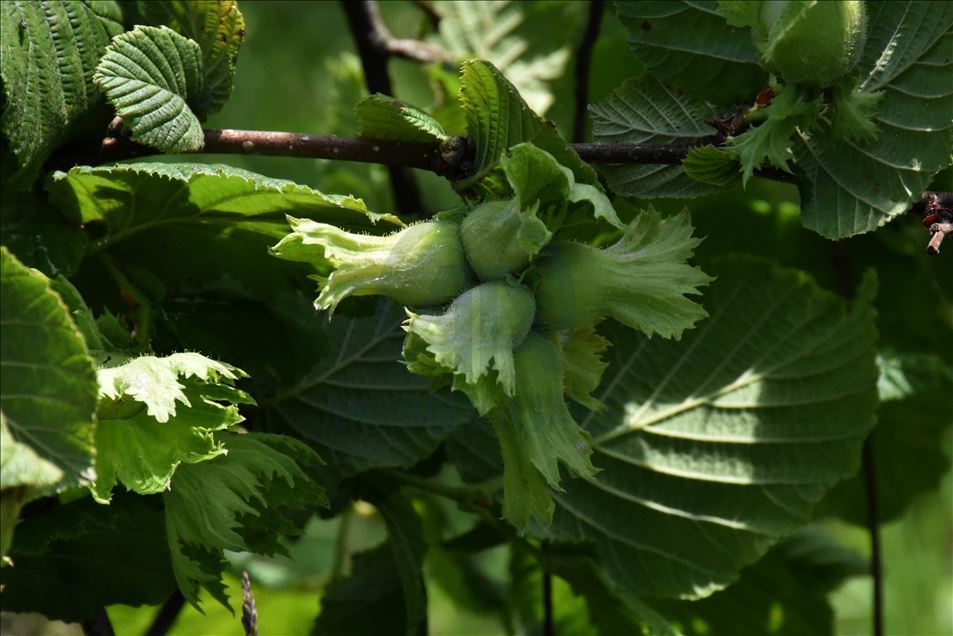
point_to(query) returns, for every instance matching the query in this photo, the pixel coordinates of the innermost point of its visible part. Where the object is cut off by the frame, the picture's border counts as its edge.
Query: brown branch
(377, 35)
(936, 209)
(583, 63)
(363, 18)
(430, 156)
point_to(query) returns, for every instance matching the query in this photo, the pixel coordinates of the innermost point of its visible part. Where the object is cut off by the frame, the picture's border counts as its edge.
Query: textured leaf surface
(855, 187)
(147, 196)
(488, 30)
(784, 594)
(383, 117)
(49, 53)
(218, 27)
(62, 554)
(688, 44)
(150, 75)
(235, 502)
(647, 111)
(195, 225)
(48, 385)
(156, 413)
(912, 421)
(38, 235)
(353, 606)
(360, 405)
(498, 119)
(714, 447)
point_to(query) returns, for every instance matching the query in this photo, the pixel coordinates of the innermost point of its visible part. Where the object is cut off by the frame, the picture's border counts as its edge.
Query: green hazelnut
(481, 326)
(811, 42)
(421, 265)
(640, 281)
(499, 238)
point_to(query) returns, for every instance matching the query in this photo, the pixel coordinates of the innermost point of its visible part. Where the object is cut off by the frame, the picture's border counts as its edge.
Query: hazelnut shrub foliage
(198, 360)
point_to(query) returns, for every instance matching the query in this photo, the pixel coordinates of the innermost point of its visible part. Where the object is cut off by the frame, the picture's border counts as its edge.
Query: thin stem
(583, 63)
(341, 545)
(873, 525)
(135, 297)
(463, 494)
(99, 625)
(166, 616)
(548, 623)
(845, 282)
(430, 11)
(363, 18)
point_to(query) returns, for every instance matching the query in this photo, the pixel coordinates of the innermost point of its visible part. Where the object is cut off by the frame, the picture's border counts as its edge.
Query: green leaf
(647, 111)
(143, 434)
(49, 53)
(537, 434)
(783, 594)
(61, 556)
(491, 31)
(498, 119)
(235, 502)
(48, 385)
(913, 420)
(219, 29)
(770, 143)
(580, 354)
(360, 405)
(383, 117)
(537, 178)
(154, 381)
(354, 605)
(853, 187)
(149, 75)
(714, 447)
(689, 45)
(713, 166)
(38, 235)
(610, 611)
(407, 544)
(214, 224)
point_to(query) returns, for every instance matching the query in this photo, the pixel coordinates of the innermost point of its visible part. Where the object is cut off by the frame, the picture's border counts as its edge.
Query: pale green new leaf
(487, 30)
(383, 117)
(854, 187)
(713, 166)
(647, 111)
(48, 384)
(219, 29)
(157, 413)
(49, 53)
(155, 381)
(498, 119)
(537, 178)
(771, 142)
(150, 75)
(537, 434)
(359, 404)
(236, 502)
(580, 353)
(689, 45)
(714, 447)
